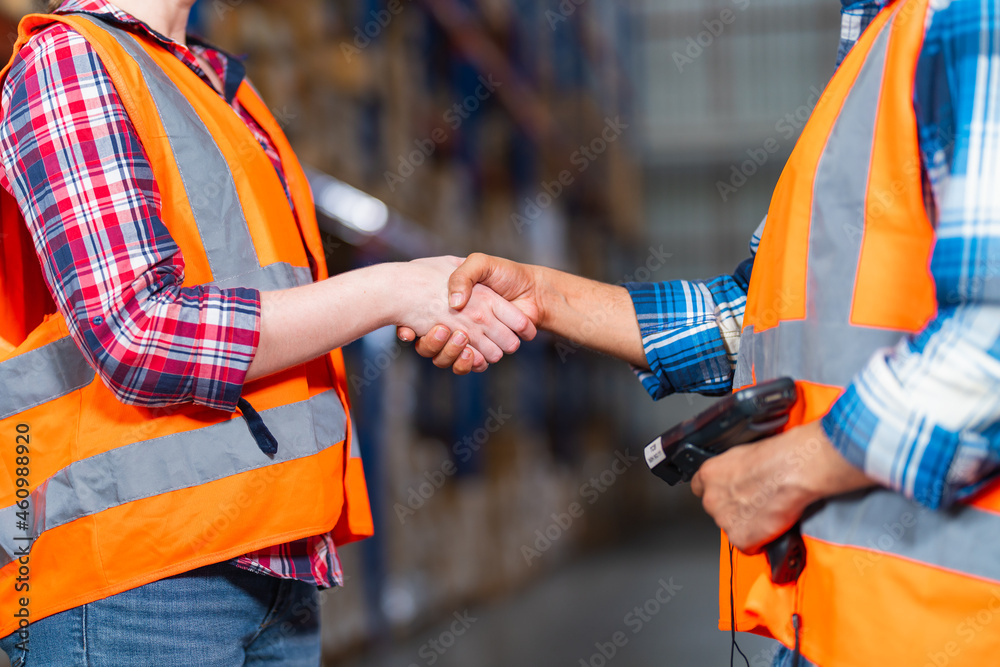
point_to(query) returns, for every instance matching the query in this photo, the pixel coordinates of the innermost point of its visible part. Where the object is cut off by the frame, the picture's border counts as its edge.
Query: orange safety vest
(842, 271)
(116, 495)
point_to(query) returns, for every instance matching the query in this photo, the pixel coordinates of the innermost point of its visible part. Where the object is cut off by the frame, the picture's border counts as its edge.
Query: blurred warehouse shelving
(727, 86)
(726, 72)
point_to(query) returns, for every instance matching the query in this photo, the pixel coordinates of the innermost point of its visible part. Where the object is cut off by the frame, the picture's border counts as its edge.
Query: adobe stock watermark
(765, 657)
(232, 508)
(634, 621)
(696, 46)
(375, 365)
(655, 260)
(376, 22)
(766, 491)
(596, 319)
(967, 631)
(983, 282)
(284, 116)
(24, 534)
(453, 118)
(893, 533)
(224, 7)
(786, 128)
(590, 491)
(600, 317)
(565, 9)
(418, 495)
(304, 611)
(331, 244)
(221, 183)
(884, 199)
(581, 159)
(887, 540)
(432, 650)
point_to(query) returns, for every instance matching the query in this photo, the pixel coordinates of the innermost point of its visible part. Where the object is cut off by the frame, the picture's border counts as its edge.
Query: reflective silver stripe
(173, 462)
(839, 194)
(355, 446)
(885, 522)
(790, 350)
(280, 275)
(42, 375)
(208, 181)
(746, 360)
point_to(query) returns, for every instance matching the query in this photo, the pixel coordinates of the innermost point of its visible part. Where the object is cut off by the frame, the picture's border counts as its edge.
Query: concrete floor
(568, 617)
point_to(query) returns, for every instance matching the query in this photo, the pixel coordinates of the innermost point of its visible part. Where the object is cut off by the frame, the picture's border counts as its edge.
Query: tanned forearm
(590, 313)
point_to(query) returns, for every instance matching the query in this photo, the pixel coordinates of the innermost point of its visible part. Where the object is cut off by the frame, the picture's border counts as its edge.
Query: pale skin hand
(757, 492)
(305, 322)
(593, 314)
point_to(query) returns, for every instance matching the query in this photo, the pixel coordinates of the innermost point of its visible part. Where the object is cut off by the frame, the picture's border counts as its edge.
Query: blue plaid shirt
(922, 418)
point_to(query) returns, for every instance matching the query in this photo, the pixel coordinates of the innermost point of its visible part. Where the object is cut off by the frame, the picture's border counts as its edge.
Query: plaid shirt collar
(855, 17)
(229, 68)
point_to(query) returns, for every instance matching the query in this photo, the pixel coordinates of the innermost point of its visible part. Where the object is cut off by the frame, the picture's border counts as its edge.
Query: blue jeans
(216, 616)
(784, 658)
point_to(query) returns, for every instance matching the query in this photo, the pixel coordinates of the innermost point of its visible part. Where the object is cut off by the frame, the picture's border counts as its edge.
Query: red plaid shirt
(75, 165)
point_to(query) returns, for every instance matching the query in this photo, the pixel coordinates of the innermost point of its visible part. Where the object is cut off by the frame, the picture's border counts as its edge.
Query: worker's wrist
(385, 289)
(818, 470)
(548, 297)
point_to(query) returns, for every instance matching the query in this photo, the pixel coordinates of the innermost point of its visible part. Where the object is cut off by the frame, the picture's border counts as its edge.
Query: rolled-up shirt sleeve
(74, 163)
(691, 331)
(923, 418)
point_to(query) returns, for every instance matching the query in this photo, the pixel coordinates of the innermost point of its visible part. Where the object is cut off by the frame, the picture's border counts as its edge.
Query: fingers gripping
(475, 269)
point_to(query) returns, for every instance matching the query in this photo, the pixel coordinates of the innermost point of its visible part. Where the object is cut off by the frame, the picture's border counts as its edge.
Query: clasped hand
(467, 326)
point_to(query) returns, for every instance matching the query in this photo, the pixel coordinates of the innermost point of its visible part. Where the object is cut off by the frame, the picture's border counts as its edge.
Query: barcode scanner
(741, 418)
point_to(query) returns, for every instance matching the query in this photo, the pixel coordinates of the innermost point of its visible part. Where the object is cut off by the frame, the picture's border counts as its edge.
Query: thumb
(476, 269)
(697, 485)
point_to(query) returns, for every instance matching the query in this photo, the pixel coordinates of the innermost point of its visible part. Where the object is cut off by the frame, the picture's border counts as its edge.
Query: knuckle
(427, 350)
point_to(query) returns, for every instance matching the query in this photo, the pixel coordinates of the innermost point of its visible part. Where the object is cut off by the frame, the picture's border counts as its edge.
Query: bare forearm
(593, 314)
(305, 322)
(302, 323)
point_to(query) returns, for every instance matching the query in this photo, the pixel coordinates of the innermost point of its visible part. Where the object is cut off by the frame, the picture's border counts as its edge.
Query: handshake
(465, 314)
(492, 305)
